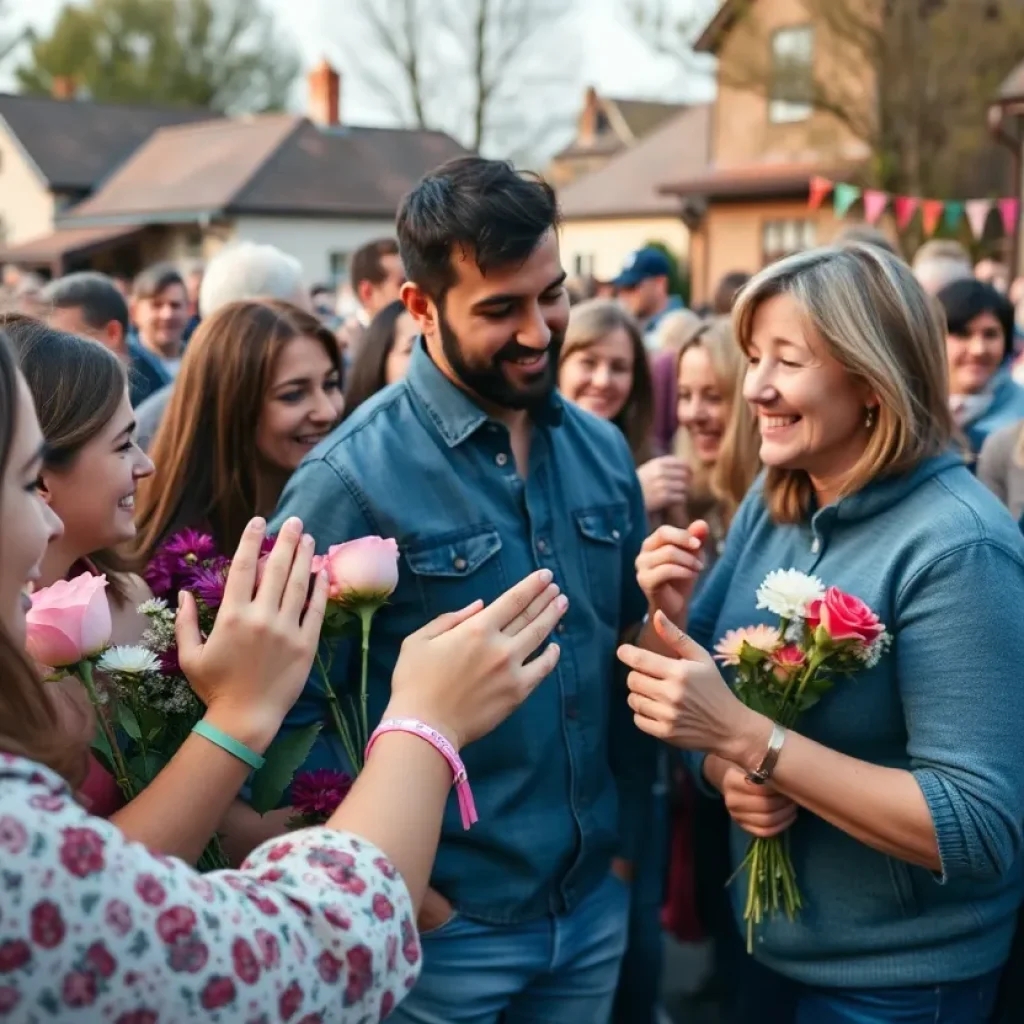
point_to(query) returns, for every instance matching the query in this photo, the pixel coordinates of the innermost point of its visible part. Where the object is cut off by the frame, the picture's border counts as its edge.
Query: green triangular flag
(845, 197)
(954, 211)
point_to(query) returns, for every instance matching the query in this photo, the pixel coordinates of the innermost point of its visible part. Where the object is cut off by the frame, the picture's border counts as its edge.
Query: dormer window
(792, 82)
(601, 123)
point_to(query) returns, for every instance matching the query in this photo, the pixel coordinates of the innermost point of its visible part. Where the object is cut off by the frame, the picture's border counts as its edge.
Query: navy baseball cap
(641, 265)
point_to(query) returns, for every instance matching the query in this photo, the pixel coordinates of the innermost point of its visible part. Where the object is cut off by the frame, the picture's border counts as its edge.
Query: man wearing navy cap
(643, 288)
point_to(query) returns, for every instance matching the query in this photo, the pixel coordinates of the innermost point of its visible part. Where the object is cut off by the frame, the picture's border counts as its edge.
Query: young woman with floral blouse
(318, 925)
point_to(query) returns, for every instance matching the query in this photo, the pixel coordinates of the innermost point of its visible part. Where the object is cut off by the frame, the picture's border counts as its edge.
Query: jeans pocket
(442, 929)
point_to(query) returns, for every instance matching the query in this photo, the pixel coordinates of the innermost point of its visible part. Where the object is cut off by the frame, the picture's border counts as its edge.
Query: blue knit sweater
(942, 563)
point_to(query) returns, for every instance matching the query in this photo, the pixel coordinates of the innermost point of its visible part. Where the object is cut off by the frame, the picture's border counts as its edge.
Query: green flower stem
(84, 672)
(336, 715)
(366, 613)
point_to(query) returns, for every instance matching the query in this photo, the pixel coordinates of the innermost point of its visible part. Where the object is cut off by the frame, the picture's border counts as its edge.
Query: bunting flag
(977, 215)
(1010, 210)
(820, 188)
(845, 197)
(931, 214)
(905, 208)
(875, 203)
(954, 213)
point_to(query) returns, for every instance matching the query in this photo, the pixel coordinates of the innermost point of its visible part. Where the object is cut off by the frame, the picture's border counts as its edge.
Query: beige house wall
(603, 245)
(732, 238)
(26, 204)
(742, 133)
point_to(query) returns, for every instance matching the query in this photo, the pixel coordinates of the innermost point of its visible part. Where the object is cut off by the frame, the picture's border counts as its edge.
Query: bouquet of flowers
(781, 671)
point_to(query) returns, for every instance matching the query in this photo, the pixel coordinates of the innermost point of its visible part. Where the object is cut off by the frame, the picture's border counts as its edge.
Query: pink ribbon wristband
(425, 732)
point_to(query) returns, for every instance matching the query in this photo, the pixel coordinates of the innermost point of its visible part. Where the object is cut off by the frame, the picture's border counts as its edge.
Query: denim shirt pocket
(603, 529)
(454, 569)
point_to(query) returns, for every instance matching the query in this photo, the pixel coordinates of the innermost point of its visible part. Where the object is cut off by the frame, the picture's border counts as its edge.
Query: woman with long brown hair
(259, 388)
(321, 923)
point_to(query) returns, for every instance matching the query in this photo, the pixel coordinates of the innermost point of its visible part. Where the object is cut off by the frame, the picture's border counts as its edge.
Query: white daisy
(128, 661)
(788, 592)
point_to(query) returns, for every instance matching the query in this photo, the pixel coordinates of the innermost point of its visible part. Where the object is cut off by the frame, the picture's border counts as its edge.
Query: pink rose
(845, 617)
(361, 571)
(69, 621)
(788, 661)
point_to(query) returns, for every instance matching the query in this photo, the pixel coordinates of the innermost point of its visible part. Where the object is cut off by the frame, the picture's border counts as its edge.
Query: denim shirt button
(459, 563)
(501, 459)
(560, 628)
(542, 546)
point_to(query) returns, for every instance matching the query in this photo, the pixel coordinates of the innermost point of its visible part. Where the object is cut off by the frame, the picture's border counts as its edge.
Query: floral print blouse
(317, 926)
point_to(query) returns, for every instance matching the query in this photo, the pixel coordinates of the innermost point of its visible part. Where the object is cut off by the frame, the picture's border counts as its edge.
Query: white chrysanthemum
(788, 592)
(128, 661)
(154, 606)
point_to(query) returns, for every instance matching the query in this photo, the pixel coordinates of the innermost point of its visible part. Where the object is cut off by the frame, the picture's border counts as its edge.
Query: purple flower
(207, 582)
(169, 665)
(159, 574)
(319, 793)
(191, 546)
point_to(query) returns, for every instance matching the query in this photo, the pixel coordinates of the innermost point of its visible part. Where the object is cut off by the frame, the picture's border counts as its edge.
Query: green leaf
(147, 768)
(127, 720)
(102, 747)
(284, 758)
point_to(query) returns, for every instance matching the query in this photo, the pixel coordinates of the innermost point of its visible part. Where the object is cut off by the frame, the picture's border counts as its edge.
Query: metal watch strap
(760, 775)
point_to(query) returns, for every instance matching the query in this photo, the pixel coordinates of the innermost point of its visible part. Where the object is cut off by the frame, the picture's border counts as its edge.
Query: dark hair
(367, 262)
(485, 206)
(153, 280)
(78, 385)
(94, 294)
(207, 464)
(366, 375)
(964, 300)
(728, 288)
(318, 288)
(31, 722)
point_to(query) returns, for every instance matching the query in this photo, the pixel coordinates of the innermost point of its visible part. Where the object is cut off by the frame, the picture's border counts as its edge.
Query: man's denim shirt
(422, 463)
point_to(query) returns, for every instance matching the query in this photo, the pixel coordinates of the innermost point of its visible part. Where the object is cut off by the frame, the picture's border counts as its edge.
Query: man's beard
(490, 383)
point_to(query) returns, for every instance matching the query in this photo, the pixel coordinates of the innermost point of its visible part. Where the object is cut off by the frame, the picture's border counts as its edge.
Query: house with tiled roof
(312, 186)
(621, 207)
(1006, 121)
(606, 126)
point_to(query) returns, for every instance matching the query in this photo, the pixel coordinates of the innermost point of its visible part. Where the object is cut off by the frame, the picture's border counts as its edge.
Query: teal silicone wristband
(230, 744)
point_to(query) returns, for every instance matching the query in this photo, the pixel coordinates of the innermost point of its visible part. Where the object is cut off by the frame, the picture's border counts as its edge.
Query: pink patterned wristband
(425, 732)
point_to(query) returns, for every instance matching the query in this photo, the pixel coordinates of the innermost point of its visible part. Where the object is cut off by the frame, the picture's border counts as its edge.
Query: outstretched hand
(668, 566)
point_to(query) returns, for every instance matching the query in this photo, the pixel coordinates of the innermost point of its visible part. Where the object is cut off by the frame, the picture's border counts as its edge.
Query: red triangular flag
(1010, 209)
(905, 207)
(875, 203)
(931, 214)
(820, 187)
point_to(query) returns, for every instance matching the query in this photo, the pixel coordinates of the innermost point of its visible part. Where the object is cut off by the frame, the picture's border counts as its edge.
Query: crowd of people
(587, 485)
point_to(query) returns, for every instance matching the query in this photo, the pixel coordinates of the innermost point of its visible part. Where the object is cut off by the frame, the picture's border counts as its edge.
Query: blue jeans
(551, 971)
(772, 999)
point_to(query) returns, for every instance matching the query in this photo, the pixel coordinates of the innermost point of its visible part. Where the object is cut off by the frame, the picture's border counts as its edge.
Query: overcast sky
(611, 56)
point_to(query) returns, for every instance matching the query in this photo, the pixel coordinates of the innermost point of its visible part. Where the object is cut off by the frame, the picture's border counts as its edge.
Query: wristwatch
(763, 772)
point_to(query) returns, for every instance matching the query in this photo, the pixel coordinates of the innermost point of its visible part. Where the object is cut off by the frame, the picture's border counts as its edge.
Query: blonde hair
(721, 487)
(677, 329)
(878, 323)
(589, 322)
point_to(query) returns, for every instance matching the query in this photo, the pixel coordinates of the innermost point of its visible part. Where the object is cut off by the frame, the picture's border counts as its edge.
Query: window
(792, 75)
(339, 263)
(583, 264)
(781, 238)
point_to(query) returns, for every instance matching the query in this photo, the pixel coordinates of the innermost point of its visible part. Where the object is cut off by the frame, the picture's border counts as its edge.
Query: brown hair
(32, 723)
(595, 319)
(78, 385)
(874, 319)
(207, 465)
(367, 263)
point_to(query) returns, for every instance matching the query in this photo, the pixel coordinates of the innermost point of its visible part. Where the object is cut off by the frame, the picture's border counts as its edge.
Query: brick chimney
(587, 126)
(64, 87)
(324, 95)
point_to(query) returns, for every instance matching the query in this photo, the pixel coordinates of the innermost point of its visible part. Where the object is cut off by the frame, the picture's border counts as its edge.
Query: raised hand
(255, 662)
(466, 672)
(668, 566)
(665, 481)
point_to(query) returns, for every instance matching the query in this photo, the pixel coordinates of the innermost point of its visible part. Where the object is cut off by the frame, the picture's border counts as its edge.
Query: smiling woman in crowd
(603, 368)
(983, 395)
(259, 388)
(902, 791)
(318, 925)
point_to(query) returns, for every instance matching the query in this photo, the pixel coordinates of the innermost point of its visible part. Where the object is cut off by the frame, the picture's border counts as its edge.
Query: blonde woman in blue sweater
(903, 790)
